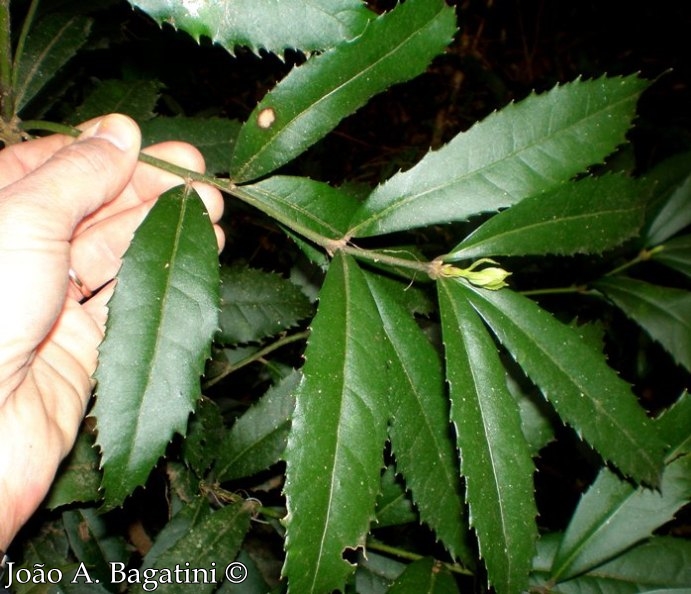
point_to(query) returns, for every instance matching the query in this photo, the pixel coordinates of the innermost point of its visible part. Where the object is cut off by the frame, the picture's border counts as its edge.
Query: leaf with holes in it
(335, 446)
(313, 98)
(586, 393)
(256, 304)
(50, 45)
(420, 432)
(583, 217)
(523, 150)
(306, 25)
(495, 457)
(161, 320)
(663, 312)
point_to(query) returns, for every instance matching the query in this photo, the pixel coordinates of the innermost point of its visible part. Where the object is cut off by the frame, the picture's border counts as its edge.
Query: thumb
(82, 176)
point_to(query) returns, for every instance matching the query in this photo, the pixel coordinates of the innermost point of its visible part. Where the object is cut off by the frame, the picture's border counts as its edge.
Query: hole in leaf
(352, 555)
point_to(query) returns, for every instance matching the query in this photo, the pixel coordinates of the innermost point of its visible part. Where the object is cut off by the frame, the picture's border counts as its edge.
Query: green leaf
(661, 565)
(214, 137)
(584, 391)
(93, 542)
(420, 432)
(205, 433)
(135, 98)
(536, 416)
(311, 208)
(258, 438)
(334, 452)
(675, 253)
(51, 43)
(209, 544)
(256, 304)
(314, 98)
(162, 317)
(79, 477)
(525, 149)
(424, 577)
(305, 25)
(663, 312)
(614, 515)
(674, 180)
(393, 505)
(584, 217)
(495, 458)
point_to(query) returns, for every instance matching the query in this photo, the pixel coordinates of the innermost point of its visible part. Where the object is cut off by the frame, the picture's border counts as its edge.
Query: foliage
(438, 363)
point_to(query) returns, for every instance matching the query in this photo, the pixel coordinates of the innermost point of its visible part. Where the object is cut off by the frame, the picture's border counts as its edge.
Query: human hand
(64, 204)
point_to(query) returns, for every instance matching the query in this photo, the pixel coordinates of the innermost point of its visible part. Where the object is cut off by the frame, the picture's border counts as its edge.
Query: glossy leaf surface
(162, 317)
(334, 452)
(311, 100)
(495, 458)
(675, 213)
(307, 25)
(308, 207)
(663, 312)
(522, 150)
(51, 44)
(256, 304)
(583, 217)
(585, 392)
(420, 432)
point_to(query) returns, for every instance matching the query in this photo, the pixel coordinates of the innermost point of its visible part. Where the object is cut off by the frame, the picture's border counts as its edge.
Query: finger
(78, 178)
(97, 252)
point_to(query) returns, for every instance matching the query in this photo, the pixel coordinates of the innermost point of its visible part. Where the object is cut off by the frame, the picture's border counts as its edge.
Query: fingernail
(117, 129)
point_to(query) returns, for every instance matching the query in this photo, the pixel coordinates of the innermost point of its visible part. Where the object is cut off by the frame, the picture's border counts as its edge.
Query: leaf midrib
(405, 200)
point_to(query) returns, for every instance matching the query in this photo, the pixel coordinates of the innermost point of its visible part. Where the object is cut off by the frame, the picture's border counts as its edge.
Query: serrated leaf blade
(334, 452)
(311, 208)
(495, 458)
(520, 151)
(311, 100)
(256, 304)
(162, 316)
(258, 438)
(307, 25)
(663, 312)
(585, 392)
(588, 216)
(419, 429)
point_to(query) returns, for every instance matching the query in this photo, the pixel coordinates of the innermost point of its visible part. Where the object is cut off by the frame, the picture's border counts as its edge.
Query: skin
(64, 203)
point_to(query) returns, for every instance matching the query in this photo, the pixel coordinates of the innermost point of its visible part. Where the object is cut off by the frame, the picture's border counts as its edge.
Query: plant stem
(556, 291)
(643, 256)
(227, 185)
(375, 545)
(26, 26)
(6, 94)
(258, 356)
